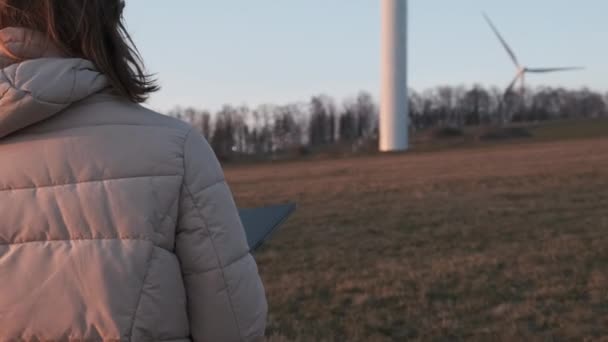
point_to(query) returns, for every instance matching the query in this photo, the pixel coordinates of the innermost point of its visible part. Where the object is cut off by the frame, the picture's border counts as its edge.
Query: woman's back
(116, 221)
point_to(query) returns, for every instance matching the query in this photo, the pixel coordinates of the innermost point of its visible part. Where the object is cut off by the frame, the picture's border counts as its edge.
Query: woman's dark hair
(89, 29)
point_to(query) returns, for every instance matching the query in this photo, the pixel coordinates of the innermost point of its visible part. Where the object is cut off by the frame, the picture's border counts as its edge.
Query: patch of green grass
(572, 129)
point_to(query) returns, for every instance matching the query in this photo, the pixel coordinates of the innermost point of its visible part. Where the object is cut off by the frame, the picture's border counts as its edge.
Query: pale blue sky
(210, 52)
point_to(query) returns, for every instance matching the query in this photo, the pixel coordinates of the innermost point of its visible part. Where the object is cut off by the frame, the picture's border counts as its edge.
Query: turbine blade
(512, 85)
(502, 41)
(544, 70)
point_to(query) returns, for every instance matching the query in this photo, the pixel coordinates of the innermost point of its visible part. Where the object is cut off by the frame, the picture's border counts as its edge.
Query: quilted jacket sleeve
(226, 299)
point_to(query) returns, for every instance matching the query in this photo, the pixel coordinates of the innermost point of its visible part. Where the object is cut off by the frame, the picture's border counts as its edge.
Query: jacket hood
(37, 81)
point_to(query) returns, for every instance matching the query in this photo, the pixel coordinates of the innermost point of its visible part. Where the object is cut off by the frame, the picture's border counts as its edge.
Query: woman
(116, 223)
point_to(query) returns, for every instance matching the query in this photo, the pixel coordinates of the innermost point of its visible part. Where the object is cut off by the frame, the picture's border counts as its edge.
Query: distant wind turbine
(522, 70)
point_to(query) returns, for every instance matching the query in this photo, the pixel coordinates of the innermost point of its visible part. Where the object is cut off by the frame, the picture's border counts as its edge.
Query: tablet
(260, 223)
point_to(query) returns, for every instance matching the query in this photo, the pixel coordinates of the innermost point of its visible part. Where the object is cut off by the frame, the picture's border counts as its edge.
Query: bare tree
(323, 116)
(223, 140)
(190, 116)
(286, 131)
(347, 122)
(475, 105)
(261, 135)
(205, 124)
(367, 114)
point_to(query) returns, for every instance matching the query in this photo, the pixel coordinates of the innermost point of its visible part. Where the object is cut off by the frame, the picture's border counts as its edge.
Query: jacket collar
(37, 81)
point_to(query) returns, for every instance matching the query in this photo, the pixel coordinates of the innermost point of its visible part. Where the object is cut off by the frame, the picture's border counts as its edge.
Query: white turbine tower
(394, 106)
(521, 70)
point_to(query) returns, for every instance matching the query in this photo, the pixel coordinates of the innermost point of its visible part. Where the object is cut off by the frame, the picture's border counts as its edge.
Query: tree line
(323, 121)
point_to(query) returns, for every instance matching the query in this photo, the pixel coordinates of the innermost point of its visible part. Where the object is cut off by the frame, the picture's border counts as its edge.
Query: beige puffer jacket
(116, 223)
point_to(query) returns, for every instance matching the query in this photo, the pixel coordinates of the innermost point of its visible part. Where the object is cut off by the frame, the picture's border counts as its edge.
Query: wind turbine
(394, 135)
(522, 70)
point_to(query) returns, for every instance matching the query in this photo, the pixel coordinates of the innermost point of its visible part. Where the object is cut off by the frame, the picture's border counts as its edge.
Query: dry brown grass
(508, 243)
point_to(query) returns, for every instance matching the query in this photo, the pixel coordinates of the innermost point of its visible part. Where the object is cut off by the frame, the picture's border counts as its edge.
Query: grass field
(502, 243)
